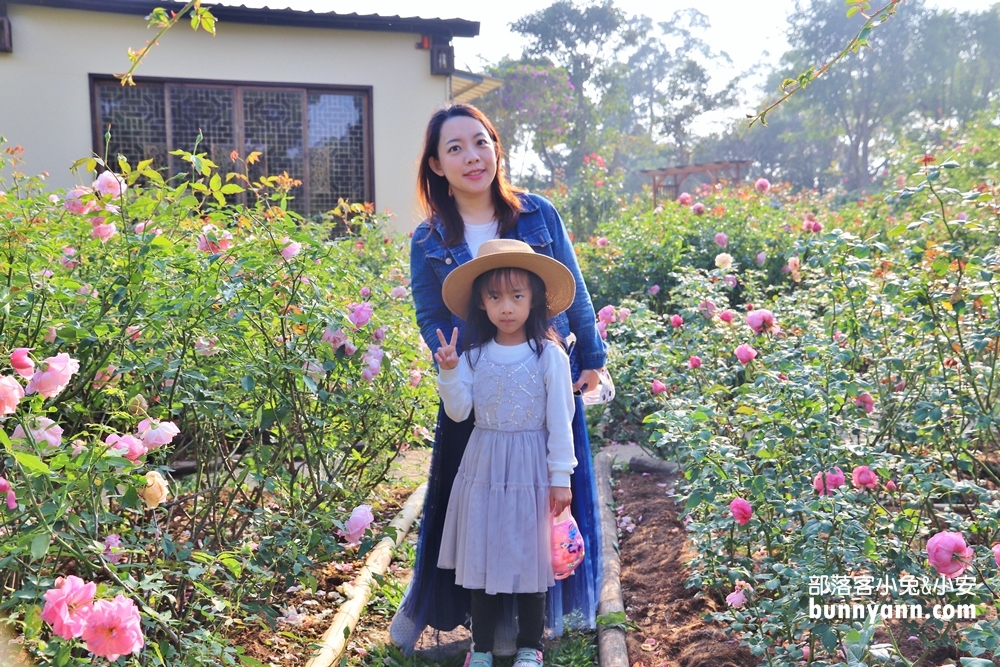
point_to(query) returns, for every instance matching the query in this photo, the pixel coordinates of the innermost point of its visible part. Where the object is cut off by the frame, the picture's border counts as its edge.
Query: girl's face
(467, 157)
(508, 304)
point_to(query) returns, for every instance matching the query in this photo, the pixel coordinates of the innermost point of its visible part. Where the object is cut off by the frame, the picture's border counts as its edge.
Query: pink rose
(112, 544)
(361, 314)
(721, 240)
(602, 241)
(399, 292)
(105, 376)
(623, 314)
(741, 510)
(68, 606)
(762, 185)
(214, 240)
(206, 347)
(707, 309)
(108, 183)
(890, 485)
(862, 477)
(602, 328)
(694, 362)
(726, 316)
(745, 354)
(826, 482)
(155, 433)
(41, 431)
(731, 281)
(127, 446)
(291, 249)
(738, 597)
(685, 199)
(50, 335)
(74, 201)
(760, 320)
(104, 231)
(113, 629)
(22, 363)
(607, 314)
(11, 394)
(654, 290)
(948, 554)
(996, 554)
(379, 334)
(366, 292)
(761, 258)
(11, 496)
(658, 387)
(676, 321)
(415, 376)
(350, 348)
(698, 208)
(53, 376)
(315, 371)
(133, 332)
(334, 338)
(865, 401)
(355, 527)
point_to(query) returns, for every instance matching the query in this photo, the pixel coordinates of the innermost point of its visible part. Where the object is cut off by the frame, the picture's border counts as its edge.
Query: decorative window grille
(320, 136)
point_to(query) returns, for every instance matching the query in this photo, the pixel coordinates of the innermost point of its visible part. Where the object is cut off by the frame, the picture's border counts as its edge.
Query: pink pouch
(567, 545)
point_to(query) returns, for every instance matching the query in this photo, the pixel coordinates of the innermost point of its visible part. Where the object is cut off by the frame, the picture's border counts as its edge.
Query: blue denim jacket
(538, 225)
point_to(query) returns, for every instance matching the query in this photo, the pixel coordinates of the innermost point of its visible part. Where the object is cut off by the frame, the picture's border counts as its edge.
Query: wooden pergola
(676, 175)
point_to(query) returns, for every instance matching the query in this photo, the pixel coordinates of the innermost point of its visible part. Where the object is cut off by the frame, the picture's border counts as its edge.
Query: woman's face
(467, 156)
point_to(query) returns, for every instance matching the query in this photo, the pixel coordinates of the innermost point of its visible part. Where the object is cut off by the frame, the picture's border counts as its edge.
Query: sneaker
(528, 657)
(475, 659)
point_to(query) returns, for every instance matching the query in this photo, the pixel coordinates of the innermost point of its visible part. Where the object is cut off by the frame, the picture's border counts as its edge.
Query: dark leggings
(486, 610)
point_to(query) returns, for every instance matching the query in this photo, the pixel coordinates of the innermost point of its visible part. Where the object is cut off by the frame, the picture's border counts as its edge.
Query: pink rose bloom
(658, 387)
(890, 485)
(685, 199)
(654, 290)
(87, 290)
(762, 185)
(22, 362)
(50, 335)
(379, 334)
(602, 328)
(11, 394)
(745, 354)
(399, 292)
(721, 240)
(350, 348)
(133, 332)
(361, 314)
(996, 554)
(127, 446)
(698, 209)
(372, 359)
(41, 430)
(676, 321)
(104, 376)
(104, 232)
(415, 376)
(731, 281)
(114, 628)
(74, 203)
(760, 320)
(53, 376)
(314, 371)
(11, 496)
(602, 241)
(726, 316)
(623, 314)
(742, 511)
(206, 347)
(112, 544)
(156, 433)
(334, 338)
(366, 292)
(948, 554)
(214, 240)
(833, 480)
(291, 249)
(724, 261)
(694, 362)
(761, 258)
(108, 183)
(862, 477)
(738, 597)
(355, 527)
(707, 309)
(607, 314)
(865, 401)
(68, 606)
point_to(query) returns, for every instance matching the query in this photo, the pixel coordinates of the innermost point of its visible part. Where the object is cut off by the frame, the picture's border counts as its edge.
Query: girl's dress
(496, 529)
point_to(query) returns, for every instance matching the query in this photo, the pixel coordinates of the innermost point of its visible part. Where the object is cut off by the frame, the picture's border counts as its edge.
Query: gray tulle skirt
(496, 530)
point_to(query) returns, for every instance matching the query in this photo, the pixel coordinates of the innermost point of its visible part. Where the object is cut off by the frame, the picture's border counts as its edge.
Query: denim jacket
(538, 225)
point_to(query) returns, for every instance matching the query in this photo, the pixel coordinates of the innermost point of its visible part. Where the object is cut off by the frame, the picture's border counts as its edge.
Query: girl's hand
(559, 499)
(446, 356)
(588, 380)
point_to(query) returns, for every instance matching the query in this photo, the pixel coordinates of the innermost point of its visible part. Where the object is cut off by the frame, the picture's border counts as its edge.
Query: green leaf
(247, 383)
(898, 230)
(31, 463)
(976, 662)
(39, 546)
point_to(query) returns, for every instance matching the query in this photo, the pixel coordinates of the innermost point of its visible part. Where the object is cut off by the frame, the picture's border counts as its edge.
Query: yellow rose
(156, 490)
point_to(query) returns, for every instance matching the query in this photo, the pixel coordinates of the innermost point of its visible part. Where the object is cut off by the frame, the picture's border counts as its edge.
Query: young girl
(515, 473)
(468, 201)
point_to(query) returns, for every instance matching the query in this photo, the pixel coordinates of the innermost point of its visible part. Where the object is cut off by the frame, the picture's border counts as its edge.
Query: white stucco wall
(45, 94)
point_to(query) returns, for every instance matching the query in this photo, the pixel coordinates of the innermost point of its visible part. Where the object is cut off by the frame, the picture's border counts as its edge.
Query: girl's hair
(432, 190)
(479, 330)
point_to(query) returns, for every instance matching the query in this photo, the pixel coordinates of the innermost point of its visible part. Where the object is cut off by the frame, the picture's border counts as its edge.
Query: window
(320, 136)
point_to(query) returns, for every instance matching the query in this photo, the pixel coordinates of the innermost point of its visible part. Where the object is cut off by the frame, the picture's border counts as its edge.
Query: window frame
(366, 92)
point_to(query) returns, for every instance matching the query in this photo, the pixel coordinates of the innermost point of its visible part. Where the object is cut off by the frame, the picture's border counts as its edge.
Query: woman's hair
(432, 190)
(479, 330)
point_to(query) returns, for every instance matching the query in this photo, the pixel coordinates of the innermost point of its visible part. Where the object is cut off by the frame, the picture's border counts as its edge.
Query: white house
(339, 101)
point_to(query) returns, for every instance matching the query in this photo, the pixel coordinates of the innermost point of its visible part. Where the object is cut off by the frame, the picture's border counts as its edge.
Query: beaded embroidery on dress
(501, 493)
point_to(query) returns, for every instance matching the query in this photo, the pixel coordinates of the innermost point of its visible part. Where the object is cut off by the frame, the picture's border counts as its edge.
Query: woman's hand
(446, 355)
(559, 499)
(588, 378)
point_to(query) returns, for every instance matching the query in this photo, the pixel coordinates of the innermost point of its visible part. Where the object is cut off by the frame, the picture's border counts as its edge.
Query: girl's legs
(486, 610)
(531, 620)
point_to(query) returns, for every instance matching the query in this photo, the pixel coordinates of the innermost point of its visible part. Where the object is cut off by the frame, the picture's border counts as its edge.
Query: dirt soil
(671, 629)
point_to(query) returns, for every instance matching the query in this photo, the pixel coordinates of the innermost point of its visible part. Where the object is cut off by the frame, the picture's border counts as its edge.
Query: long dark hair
(479, 330)
(432, 190)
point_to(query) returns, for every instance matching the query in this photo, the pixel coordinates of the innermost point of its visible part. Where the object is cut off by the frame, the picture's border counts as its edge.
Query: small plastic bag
(567, 545)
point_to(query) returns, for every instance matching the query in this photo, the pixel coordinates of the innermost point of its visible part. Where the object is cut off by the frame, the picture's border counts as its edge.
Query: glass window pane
(204, 109)
(338, 158)
(137, 119)
(273, 124)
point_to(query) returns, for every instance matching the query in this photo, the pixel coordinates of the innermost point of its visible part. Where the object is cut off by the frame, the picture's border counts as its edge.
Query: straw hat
(560, 288)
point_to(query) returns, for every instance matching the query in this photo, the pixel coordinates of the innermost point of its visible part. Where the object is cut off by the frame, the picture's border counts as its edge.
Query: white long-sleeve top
(455, 389)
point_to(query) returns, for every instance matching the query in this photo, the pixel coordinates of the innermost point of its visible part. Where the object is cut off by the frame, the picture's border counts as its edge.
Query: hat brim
(560, 287)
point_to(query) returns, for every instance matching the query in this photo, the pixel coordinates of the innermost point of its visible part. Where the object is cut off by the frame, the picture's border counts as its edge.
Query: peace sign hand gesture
(446, 356)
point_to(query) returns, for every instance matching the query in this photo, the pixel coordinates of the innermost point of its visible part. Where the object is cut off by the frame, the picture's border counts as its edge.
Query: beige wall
(45, 96)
